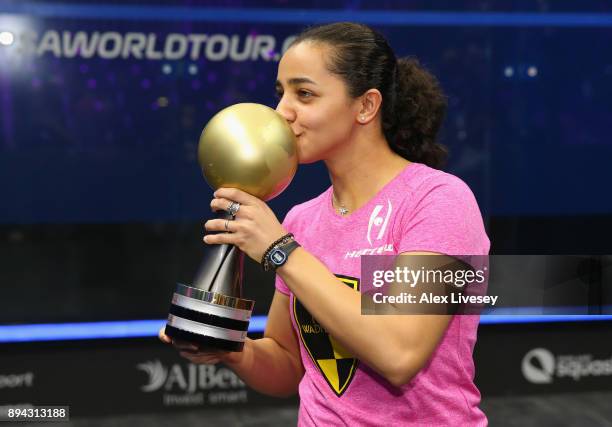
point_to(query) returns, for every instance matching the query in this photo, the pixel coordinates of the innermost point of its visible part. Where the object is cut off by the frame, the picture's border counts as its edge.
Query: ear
(369, 106)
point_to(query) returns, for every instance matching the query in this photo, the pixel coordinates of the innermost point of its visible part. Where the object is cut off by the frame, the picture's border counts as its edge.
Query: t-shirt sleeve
(279, 284)
(444, 217)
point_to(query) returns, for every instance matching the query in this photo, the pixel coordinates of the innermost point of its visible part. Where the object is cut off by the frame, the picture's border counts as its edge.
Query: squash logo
(541, 366)
(334, 362)
(538, 366)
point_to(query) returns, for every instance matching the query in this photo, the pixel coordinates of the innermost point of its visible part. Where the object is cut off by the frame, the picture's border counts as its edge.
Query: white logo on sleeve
(377, 223)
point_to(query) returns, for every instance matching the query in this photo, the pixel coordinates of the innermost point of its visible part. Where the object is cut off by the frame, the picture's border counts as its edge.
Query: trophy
(250, 147)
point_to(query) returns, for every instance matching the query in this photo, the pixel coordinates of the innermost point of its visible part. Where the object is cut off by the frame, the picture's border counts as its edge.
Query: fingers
(163, 337)
(222, 204)
(178, 344)
(185, 346)
(221, 238)
(229, 227)
(191, 351)
(201, 358)
(218, 225)
(236, 195)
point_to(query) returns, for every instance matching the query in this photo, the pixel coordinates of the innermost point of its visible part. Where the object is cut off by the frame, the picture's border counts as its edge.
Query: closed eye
(304, 93)
(301, 93)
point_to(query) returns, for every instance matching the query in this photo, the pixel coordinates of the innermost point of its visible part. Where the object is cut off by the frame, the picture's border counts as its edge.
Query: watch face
(278, 257)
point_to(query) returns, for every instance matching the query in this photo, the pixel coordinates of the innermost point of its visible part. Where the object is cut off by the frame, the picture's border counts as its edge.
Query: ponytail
(417, 114)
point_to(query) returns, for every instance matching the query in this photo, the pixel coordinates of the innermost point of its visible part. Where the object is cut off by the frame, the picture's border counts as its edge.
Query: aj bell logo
(540, 366)
(188, 378)
(377, 225)
(157, 375)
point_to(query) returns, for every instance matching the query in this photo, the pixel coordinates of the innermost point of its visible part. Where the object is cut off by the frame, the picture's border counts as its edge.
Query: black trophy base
(208, 319)
(203, 341)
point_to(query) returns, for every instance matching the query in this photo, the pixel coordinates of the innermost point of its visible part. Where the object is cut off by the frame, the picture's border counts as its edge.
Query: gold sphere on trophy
(250, 147)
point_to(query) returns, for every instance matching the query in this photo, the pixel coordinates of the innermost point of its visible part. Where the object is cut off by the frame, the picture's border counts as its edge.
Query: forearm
(371, 339)
(268, 368)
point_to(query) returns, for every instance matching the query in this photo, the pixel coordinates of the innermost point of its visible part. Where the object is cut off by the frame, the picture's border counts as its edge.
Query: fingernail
(205, 241)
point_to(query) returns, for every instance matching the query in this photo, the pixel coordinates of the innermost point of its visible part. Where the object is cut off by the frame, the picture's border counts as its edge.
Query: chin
(307, 161)
(308, 152)
(304, 156)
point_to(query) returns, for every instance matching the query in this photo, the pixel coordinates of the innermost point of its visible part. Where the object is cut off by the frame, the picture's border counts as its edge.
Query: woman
(373, 120)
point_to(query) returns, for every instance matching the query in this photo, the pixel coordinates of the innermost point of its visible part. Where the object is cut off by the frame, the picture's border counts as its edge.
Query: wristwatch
(279, 255)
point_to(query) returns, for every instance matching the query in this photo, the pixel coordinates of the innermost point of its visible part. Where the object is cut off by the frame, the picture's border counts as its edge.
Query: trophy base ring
(209, 319)
(203, 341)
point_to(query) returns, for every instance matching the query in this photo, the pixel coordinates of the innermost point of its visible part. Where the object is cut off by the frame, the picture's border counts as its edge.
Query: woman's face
(314, 101)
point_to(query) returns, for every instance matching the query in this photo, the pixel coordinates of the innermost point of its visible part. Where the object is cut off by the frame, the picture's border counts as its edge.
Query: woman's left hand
(254, 228)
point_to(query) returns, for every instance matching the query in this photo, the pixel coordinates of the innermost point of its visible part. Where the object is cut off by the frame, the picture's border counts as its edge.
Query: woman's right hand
(196, 355)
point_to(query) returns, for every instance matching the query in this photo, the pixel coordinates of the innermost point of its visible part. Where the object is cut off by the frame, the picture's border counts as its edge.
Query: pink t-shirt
(421, 209)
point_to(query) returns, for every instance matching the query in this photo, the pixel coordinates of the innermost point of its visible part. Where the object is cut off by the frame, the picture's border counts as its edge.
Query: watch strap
(286, 248)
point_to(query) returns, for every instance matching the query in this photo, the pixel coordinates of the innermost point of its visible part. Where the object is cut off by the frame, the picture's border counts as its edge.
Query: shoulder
(426, 180)
(435, 190)
(441, 215)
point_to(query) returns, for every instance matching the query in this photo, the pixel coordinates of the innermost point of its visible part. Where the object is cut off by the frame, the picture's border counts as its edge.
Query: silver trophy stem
(212, 312)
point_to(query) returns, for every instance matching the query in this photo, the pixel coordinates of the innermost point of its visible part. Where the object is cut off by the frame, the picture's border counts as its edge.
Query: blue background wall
(101, 196)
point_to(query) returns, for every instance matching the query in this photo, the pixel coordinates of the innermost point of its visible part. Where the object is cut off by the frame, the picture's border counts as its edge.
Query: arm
(396, 346)
(270, 365)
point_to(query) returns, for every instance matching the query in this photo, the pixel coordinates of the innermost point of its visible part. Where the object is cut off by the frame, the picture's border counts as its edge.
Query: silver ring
(227, 225)
(233, 208)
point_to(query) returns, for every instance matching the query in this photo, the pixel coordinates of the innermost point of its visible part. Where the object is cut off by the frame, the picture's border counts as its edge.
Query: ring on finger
(227, 221)
(233, 208)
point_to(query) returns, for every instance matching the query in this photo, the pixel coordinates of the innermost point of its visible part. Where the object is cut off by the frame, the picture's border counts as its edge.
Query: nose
(285, 110)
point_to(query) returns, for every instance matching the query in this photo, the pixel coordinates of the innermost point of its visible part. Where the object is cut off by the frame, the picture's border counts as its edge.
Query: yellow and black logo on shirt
(334, 362)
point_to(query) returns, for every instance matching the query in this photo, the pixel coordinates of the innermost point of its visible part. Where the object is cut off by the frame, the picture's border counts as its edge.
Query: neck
(361, 169)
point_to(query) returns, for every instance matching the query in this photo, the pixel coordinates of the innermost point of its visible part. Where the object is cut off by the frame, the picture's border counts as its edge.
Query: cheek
(329, 125)
(315, 144)
(324, 127)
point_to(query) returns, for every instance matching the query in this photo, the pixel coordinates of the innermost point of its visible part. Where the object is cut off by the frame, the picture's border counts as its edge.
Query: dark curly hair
(413, 105)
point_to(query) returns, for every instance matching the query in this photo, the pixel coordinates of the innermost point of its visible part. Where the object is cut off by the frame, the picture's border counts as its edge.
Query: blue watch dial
(278, 257)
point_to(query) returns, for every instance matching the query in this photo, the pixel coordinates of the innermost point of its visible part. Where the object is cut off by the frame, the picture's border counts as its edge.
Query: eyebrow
(296, 81)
